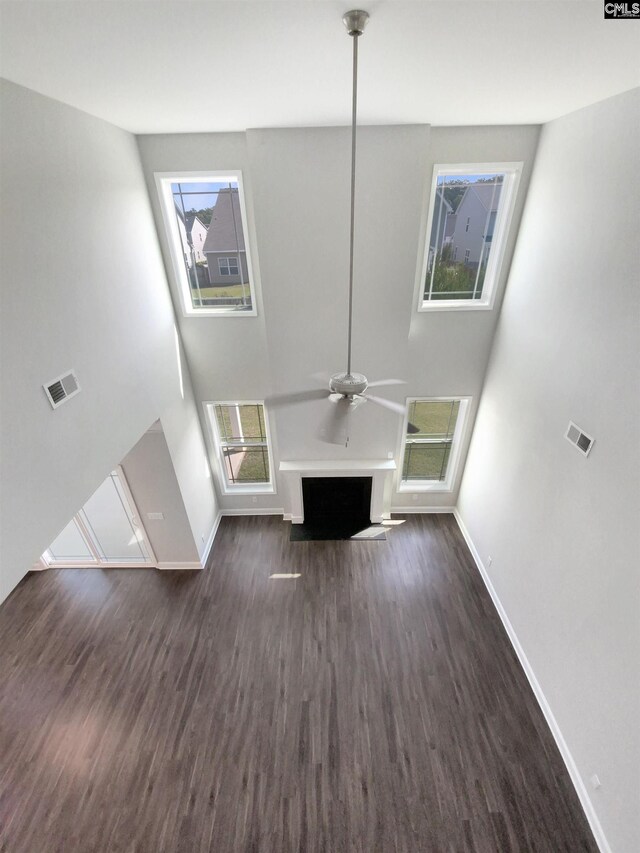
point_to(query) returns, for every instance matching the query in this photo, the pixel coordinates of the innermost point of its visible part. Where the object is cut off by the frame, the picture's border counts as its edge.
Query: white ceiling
(154, 67)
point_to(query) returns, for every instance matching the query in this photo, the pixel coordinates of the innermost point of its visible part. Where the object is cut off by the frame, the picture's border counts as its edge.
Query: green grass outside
(251, 423)
(423, 462)
(426, 463)
(223, 291)
(434, 420)
(254, 467)
(451, 277)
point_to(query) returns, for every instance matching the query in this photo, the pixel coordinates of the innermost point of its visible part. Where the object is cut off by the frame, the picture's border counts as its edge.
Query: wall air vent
(579, 438)
(61, 389)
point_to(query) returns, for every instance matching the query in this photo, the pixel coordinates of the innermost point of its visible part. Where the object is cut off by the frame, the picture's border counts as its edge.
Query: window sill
(250, 489)
(218, 312)
(424, 486)
(455, 305)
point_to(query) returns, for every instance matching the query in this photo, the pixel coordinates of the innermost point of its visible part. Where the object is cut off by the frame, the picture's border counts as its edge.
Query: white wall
(563, 529)
(228, 356)
(297, 192)
(83, 287)
(154, 486)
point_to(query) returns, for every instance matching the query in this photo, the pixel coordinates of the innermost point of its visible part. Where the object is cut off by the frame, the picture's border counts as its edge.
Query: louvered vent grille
(62, 389)
(56, 392)
(580, 440)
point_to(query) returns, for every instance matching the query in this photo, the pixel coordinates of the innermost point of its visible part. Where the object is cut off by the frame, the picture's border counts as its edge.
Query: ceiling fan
(346, 390)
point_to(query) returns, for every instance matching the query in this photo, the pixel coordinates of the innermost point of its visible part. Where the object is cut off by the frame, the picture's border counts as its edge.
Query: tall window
(206, 226)
(469, 215)
(241, 437)
(431, 454)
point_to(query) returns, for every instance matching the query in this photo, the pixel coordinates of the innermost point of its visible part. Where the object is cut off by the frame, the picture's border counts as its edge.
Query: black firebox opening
(334, 507)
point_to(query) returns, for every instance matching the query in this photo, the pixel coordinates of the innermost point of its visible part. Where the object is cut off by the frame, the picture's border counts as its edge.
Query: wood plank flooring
(373, 704)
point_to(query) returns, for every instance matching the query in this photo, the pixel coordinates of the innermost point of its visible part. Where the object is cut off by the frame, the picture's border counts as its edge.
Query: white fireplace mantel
(380, 470)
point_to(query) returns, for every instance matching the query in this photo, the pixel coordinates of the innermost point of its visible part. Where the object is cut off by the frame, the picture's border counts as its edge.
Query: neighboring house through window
(206, 226)
(195, 231)
(469, 214)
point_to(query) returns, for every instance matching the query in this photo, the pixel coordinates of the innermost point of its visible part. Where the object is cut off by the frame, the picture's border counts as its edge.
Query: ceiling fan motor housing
(348, 383)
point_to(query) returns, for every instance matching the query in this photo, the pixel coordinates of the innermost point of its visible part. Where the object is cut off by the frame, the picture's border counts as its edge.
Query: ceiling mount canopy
(355, 21)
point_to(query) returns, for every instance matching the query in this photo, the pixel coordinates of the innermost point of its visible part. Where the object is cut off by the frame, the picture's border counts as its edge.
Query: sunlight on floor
(375, 532)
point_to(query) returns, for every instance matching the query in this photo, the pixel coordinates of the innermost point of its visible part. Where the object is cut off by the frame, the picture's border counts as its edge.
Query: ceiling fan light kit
(348, 383)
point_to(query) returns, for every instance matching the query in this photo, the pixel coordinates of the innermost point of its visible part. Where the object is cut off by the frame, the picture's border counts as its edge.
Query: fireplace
(379, 473)
(337, 502)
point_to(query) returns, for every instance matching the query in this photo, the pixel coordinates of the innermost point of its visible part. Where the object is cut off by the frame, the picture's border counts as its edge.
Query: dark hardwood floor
(374, 704)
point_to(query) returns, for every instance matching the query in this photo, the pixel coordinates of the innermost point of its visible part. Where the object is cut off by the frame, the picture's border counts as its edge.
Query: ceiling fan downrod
(355, 22)
(346, 390)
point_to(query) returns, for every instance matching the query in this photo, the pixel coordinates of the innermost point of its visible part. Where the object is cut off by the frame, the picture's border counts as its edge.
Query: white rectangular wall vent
(579, 438)
(61, 389)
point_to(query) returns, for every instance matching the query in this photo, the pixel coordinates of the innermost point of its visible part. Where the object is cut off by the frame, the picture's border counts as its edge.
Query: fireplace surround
(380, 471)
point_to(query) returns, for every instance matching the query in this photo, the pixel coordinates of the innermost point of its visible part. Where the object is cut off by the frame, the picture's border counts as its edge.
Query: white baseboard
(256, 511)
(407, 510)
(568, 759)
(209, 543)
(172, 567)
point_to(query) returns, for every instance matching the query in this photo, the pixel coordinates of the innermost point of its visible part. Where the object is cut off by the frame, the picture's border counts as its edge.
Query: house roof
(485, 192)
(190, 220)
(225, 230)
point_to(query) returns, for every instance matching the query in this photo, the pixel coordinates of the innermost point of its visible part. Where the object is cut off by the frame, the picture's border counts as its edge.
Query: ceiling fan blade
(334, 427)
(297, 397)
(379, 382)
(398, 408)
(412, 429)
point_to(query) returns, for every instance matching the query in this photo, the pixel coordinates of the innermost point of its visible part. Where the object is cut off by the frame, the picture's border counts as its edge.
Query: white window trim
(513, 172)
(454, 456)
(227, 488)
(163, 184)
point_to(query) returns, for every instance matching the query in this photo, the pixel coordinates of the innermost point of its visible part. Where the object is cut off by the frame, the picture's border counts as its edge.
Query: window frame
(513, 173)
(226, 487)
(455, 454)
(163, 184)
(227, 269)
